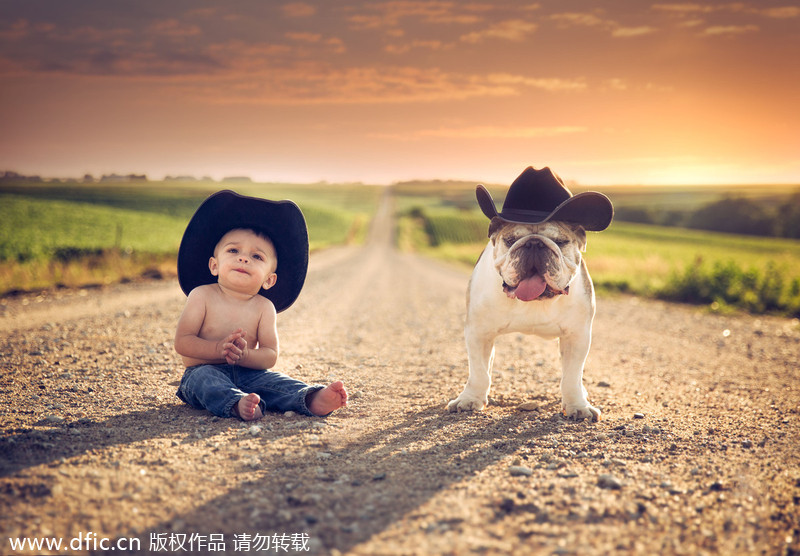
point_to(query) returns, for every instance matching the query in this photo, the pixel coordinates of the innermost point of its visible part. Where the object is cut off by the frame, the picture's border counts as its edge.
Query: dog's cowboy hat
(281, 221)
(538, 196)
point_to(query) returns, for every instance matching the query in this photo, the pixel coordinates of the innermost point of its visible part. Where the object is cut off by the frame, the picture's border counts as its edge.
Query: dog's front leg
(480, 350)
(574, 349)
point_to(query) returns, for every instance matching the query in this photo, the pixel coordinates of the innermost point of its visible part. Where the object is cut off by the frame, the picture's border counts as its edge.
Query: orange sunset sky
(614, 92)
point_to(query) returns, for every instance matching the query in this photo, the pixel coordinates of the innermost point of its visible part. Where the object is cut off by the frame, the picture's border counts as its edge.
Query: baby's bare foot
(327, 400)
(247, 407)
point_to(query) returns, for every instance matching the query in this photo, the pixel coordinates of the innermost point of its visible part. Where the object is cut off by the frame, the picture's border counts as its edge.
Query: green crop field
(78, 234)
(39, 228)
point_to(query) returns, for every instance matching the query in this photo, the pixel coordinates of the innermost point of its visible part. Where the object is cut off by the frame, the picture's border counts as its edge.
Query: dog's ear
(495, 225)
(580, 236)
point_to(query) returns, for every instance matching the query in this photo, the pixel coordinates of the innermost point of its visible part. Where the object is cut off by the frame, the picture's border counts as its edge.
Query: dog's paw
(465, 402)
(579, 413)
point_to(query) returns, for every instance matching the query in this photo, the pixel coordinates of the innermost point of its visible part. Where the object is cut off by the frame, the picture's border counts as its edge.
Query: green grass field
(76, 234)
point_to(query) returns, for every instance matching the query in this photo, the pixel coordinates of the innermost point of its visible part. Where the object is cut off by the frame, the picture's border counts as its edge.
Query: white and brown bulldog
(531, 278)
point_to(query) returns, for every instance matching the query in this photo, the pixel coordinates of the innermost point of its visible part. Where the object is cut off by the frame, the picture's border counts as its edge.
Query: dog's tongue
(530, 288)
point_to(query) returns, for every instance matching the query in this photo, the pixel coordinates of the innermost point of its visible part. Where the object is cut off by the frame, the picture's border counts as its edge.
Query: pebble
(638, 415)
(717, 486)
(255, 430)
(520, 471)
(528, 406)
(609, 481)
(53, 419)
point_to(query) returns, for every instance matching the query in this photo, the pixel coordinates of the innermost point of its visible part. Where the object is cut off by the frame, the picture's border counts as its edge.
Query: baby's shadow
(47, 442)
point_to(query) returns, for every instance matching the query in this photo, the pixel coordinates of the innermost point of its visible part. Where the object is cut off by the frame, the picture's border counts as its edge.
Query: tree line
(735, 215)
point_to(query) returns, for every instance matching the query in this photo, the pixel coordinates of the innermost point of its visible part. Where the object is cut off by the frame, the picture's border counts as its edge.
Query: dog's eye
(510, 241)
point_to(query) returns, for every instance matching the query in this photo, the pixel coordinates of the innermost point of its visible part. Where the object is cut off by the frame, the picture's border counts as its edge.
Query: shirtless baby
(227, 334)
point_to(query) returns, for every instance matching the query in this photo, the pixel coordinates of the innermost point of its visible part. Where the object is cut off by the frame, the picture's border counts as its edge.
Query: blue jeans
(218, 387)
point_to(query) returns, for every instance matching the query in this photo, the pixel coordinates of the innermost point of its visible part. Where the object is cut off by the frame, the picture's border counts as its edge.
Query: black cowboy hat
(281, 221)
(538, 196)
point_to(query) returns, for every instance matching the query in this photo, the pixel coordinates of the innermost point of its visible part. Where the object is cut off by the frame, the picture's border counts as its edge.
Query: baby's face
(244, 262)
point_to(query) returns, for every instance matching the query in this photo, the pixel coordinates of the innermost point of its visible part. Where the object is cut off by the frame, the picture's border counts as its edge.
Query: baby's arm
(265, 356)
(187, 336)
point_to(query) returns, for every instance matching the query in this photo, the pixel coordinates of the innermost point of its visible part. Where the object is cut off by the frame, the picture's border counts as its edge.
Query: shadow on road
(52, 441)
(352, 494)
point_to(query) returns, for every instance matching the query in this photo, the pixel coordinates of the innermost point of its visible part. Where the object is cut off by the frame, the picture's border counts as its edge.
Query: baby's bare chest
(221, 321)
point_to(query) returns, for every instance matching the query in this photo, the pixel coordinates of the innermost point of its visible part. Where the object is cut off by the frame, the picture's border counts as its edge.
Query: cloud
(254, 80)
(691, 23)
(514, 30)
(482, 132)
(786, 12)
(404, 48)
(632, 31)
(615, 84)
(174, 29)
(390, 14)
(693, 9)
(203, 13)
(499, 132)
(304, 37)
(550, 84)
(718, 30)
(298, 9)
(583, 19)
(685, 8)
(332, 44)
(18, 30)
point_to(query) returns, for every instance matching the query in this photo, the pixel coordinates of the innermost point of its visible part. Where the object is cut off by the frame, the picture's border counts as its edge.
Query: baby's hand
(234, 347)
(240, 344)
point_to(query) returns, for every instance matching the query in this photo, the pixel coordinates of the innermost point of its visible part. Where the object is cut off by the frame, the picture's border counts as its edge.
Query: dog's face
(536, 261)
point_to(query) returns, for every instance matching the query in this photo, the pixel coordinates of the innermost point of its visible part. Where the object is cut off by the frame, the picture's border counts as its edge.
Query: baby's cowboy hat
(281, 221)
(538, 196)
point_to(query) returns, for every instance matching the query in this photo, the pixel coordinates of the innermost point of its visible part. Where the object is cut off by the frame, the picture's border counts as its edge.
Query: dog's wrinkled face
(536, 261)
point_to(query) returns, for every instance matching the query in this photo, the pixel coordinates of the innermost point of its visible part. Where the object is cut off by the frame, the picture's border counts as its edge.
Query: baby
(227, 334)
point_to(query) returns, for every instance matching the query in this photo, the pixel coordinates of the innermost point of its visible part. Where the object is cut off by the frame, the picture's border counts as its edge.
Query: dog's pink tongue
(530, 288)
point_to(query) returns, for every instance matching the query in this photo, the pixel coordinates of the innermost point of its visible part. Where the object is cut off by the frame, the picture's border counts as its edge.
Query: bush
(726, 283)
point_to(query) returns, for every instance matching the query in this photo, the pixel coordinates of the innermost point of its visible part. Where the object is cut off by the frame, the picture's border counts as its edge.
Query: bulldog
(531, 278)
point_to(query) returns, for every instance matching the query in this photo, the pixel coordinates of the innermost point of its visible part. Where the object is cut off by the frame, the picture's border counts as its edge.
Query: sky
(373, 91)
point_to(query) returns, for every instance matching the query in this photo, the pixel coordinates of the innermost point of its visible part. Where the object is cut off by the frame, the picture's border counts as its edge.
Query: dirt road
(697, 451)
